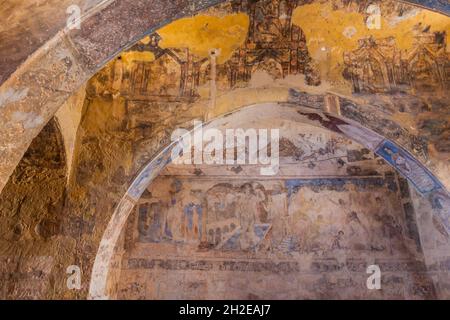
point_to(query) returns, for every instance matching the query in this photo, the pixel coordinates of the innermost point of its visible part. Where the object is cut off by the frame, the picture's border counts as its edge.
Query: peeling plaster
(11, 95)
(30, 120)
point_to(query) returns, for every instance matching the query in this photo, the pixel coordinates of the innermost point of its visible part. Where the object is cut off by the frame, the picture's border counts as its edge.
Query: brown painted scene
(225, 150)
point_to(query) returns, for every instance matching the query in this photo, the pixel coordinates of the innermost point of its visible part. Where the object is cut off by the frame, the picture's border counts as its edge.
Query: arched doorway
(397, 157)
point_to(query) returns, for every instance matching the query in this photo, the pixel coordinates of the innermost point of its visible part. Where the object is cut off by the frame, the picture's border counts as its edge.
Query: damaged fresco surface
(244, 52)
(208, 232)
(298, 235)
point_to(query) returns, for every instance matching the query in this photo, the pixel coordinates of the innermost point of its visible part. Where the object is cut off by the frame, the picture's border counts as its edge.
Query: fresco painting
(283, 215)
(409, 167)
(364, 119)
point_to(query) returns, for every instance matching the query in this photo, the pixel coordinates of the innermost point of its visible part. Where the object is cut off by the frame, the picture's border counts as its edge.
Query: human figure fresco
(409, 167)
(356, 232)
(247, 209)
(285, 220)
(278, 215)
(192, 222)
(174, 220)
(152, 224)
(337, 239)
(399, 161)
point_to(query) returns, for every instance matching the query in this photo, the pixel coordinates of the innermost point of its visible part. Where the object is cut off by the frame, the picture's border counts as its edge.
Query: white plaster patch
(298, 82)
(11, 95)
(30, 120)
(349, 32)
(62, 54)
(261, 79)
(396, 20)
(363, 136)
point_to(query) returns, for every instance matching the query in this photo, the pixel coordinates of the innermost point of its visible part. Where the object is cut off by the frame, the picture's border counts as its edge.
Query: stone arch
(402, 161)
(30, 207)
(49, 76)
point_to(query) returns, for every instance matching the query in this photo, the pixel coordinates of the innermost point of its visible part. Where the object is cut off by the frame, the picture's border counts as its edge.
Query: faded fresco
(299, 234)
(273, 46)
(408, 167)
(255, 216)
(378, 65)
(365, 126)
(251, 43)
(243, 52)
